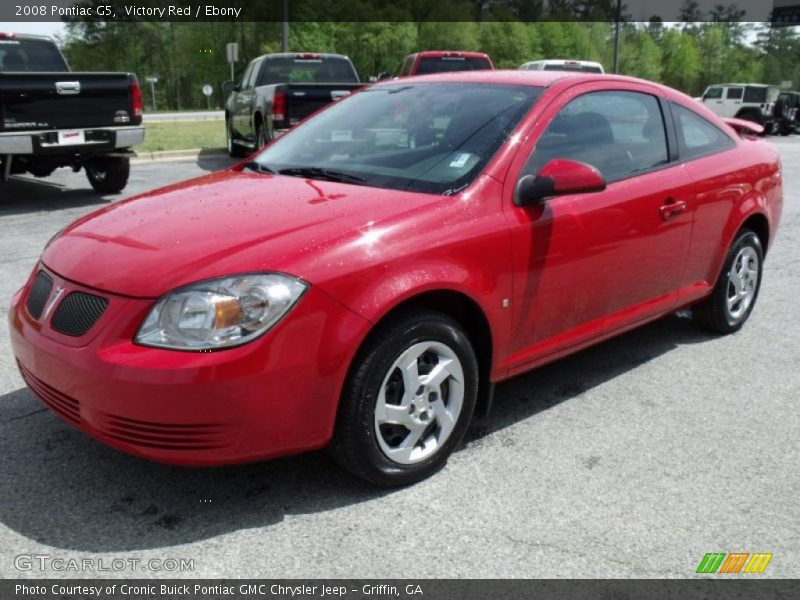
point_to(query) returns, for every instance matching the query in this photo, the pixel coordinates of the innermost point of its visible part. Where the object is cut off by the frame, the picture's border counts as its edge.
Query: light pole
(616, 35)
(152, 81)
(285, 27)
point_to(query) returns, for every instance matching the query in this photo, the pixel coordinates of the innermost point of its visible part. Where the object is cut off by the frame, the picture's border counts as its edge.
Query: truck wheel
(234, 149)
(262, 138)
(108, 175)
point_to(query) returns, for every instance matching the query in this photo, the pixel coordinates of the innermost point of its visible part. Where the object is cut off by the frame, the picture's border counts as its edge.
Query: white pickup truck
(748, 101)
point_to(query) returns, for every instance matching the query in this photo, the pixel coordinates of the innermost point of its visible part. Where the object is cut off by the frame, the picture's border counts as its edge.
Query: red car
(441, 61)
(365, 280)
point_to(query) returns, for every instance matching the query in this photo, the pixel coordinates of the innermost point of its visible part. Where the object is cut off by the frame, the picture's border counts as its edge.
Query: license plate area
(71, 137)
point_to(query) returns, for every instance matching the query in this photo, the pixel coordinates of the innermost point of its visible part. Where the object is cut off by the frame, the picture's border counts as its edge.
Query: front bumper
(97, 139)
(277, 395)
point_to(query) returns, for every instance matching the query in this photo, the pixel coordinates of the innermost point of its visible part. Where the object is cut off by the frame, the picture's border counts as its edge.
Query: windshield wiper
(320, 173)
(256, 166)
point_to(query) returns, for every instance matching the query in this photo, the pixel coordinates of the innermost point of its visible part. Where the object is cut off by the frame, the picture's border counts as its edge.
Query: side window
(406, 68)
(754, 95)
(246, 76)
(697, 136)
(620, 133)
(713, 93)
(251, 81)
(735, 93)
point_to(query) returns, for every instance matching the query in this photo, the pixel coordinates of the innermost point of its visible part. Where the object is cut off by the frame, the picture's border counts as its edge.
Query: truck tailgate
(38, 101)
(303, 99)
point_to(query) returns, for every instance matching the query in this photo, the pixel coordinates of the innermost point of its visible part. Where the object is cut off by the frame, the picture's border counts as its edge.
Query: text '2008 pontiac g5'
(363, 281)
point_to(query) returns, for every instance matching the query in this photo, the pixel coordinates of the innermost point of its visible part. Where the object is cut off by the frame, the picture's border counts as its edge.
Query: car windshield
(30, 55)
(425, 137)
(451, 63)
(307, 70)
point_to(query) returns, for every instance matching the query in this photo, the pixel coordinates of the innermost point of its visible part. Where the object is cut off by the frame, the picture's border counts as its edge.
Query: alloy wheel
(419, 402)
(742, 282)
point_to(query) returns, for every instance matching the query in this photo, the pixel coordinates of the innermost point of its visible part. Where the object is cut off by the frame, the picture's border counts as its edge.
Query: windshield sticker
(460, 160)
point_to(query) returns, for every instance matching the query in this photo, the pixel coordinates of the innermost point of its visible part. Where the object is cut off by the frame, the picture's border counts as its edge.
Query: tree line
(689, 55)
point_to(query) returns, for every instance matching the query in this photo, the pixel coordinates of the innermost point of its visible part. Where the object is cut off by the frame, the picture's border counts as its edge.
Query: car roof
(758, 85)
(24, 36)
(559, 61)
(443, 53)
(302, 54)
(519, 77)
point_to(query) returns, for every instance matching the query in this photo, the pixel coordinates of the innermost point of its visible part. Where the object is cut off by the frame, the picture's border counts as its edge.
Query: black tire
(234, 149)
(355, 443)
(108, 175)
(713, 312)
(262, 136)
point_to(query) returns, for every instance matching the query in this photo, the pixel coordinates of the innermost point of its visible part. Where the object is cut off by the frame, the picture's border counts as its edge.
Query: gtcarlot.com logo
(735, 562)
(94, 564)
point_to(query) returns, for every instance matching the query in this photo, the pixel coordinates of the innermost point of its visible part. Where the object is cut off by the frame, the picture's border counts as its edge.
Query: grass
(183, 135)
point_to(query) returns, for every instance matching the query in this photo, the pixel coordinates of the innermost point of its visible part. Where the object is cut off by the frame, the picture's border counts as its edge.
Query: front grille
(40, 292)
(164, 436)
(66, 406)
(77, 313)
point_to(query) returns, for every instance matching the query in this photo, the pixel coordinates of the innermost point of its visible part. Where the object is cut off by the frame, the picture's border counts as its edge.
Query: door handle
(672, 208)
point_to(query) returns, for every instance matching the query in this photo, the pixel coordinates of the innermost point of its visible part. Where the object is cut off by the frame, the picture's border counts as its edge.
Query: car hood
(226, 222)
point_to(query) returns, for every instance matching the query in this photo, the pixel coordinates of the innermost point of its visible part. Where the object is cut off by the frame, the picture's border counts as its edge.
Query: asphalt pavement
(631, 459)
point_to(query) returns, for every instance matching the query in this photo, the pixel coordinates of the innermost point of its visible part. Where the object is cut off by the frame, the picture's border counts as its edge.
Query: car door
(241, 110)
(733, 101)
(713, 99)
(587, 265)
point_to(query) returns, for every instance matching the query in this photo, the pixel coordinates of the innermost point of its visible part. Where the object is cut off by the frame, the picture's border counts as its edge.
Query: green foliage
(184, 56)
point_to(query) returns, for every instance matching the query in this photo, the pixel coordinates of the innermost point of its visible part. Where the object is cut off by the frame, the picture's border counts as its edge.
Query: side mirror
(384, 76)
(557, 178)
(229, 86)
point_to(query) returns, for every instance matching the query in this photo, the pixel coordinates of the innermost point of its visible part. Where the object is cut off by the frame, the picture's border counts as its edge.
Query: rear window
(451, 63)
(574, 68)
(307, 70)
(30, 55)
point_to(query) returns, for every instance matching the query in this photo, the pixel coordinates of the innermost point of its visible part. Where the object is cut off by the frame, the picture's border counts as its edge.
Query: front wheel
(108, 175)
(408, 400)
(734, 295)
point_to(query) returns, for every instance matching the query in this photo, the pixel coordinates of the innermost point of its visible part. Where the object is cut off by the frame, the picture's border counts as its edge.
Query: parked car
(277, 91)
(364, 281)
(441, 61)
(747, 101)
(559, 64)
(786, 112)
(51, 117)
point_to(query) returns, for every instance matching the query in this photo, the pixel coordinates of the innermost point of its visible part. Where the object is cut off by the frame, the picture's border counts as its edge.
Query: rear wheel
(108, 175)
(408, 400)
(262, 136)
(736, 291)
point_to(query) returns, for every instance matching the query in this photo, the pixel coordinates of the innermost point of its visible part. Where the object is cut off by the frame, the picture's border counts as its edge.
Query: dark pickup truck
(277, 91)
(51, 117)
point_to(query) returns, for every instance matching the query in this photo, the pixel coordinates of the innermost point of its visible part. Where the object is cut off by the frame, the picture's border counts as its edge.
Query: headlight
(220, 313)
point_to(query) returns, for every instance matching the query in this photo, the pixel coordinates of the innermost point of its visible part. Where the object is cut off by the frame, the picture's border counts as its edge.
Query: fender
(381, 296)
(751, 204)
